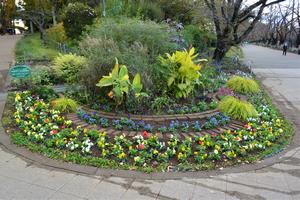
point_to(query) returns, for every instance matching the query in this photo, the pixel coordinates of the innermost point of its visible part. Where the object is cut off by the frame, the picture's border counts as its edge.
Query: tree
(8, 9)
(56, 5)
(76, 17)
(229, 15)
(37, 12)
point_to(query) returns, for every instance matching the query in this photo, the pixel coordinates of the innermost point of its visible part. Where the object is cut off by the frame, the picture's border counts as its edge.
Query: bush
(199, 37)
(180, 10)
(57, 34)
(68, 66)
(237, 109)
(243, 85)
(64, 105)
(76, 17)
(40, 75)
(182, 72)
(152, 11)
(44, 92)
(135, 43)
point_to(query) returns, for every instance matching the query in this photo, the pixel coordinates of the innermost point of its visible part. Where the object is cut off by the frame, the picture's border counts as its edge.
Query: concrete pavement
(7, 44)
(21, 179)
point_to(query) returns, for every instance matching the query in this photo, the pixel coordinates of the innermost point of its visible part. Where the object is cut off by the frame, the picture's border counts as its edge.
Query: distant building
(18, 23)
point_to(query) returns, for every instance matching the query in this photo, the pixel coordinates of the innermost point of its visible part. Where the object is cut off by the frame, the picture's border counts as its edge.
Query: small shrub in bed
(68, 66)
(64, 105)
(243, 85)
(237, 109)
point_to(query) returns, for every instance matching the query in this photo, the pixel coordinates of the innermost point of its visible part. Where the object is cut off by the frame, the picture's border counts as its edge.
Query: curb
(45, 162)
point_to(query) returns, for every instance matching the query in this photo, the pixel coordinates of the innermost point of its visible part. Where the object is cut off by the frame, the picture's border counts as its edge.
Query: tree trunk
(31, 26)
(53, 12)
(221, 50)
(43, 34)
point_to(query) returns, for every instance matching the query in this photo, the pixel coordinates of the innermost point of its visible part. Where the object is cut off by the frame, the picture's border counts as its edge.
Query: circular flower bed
(44, 126)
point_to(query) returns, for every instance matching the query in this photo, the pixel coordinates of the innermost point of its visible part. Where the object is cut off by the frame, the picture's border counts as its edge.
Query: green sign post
(20, 71)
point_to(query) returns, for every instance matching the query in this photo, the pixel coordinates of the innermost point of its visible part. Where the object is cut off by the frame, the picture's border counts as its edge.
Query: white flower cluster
(72, 145)
(86, 146)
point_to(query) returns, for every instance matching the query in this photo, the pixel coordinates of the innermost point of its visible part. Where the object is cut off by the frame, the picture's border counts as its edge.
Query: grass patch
(32, 48)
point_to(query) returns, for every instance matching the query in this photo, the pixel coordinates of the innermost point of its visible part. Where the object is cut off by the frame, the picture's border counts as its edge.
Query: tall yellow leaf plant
(183, 71)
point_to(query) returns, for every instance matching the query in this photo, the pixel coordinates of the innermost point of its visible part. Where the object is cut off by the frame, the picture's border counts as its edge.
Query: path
(20, 179)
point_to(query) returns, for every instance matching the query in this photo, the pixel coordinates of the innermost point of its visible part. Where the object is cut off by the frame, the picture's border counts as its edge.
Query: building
(18, 23)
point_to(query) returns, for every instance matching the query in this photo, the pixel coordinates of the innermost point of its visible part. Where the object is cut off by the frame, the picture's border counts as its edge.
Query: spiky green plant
(243, 85)
(237, 109)
(65, 105)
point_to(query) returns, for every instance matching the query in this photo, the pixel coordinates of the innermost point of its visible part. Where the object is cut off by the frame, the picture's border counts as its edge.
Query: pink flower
(53, 132)
(141, 146)
(145, 134)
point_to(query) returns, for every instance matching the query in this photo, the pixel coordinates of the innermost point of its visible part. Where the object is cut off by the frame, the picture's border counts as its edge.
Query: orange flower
(110, 94)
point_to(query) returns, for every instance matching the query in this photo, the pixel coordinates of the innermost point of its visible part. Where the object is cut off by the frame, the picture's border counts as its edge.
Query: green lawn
(32, 48)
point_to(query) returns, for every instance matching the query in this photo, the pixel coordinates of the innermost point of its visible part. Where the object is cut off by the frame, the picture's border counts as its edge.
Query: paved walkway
(23, 180)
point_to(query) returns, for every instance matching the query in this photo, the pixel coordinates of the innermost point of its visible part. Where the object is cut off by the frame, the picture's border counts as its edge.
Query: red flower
(54, 132)
(254, 130)
(62, 127)
(145, 134)
(238, 139)
(200, 142)
(141, 146)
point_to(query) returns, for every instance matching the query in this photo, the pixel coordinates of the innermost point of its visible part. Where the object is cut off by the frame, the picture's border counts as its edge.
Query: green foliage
(235, 51)
(179, 10)
(76, 17)
(64, 105)
(56, 34)
(237, 109)
(68, 66)
(40, 75)
(199, 36)
(183, 72)
(119, 80)
(146, 10)
(243, 85)
(135, 43)
(161, 102)
(44, 92)
(31, 47)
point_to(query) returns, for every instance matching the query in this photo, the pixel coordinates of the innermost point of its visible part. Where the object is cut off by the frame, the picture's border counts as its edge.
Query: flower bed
(164, 125)
(42, 125)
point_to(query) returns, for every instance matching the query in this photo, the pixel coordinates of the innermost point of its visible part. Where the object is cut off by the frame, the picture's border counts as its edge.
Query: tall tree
(37, 12)
(56, 5)
(8, 9)
(229, 15)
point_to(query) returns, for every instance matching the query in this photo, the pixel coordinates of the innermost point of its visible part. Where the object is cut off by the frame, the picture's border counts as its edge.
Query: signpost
(20, 71)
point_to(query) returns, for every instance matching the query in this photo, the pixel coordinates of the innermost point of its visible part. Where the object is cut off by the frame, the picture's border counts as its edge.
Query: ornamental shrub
(237, 109)
(199, 37)
(243, 85)
(183, 71)
(68, 66)
(76, 17)
(135, 43)
(57, 34)
(64, 105)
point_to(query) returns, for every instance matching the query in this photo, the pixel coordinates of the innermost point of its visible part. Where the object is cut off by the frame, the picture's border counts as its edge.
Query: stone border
(232, 125)
(154, 118)
(42, 161)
